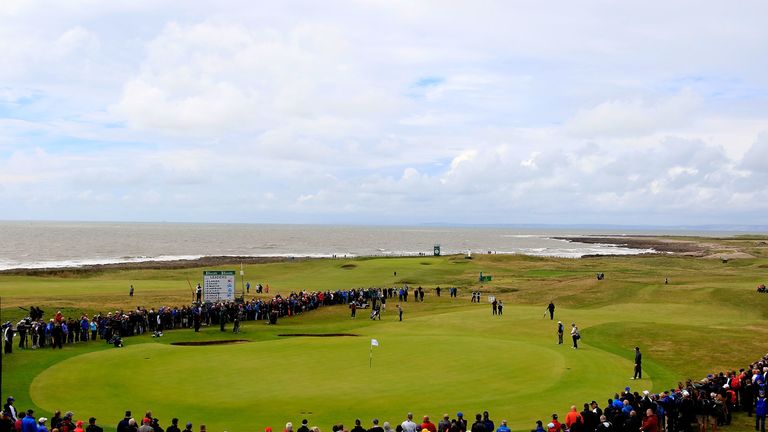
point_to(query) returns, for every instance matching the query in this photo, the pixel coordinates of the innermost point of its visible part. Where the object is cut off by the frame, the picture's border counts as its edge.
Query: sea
(35, 245)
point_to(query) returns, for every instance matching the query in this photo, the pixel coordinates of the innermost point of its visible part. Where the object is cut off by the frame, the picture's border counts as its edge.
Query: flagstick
(370, 356)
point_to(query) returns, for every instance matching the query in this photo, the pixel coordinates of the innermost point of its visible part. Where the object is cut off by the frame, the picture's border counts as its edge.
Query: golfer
(560, 330)
(638, 364)
(575, 335)
(551, 309)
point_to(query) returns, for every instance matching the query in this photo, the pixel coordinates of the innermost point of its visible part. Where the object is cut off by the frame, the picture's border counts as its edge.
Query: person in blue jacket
(760, 411)
(28, 423)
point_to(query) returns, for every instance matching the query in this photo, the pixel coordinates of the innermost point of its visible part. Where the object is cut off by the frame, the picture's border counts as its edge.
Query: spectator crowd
(35, 332)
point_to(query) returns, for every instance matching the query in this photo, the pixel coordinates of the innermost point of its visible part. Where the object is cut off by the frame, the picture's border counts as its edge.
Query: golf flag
(374, 343)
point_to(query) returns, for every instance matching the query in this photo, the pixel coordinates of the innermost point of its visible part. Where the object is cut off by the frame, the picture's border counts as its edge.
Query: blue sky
(392, 112)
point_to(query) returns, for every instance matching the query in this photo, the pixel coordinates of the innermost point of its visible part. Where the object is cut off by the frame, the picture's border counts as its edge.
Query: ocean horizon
(52, 244)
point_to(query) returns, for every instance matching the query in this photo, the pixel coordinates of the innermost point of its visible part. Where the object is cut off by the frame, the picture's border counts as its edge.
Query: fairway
(447, 355)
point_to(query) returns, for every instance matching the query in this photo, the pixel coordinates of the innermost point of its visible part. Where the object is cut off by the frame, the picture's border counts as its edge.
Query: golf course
(446, 355)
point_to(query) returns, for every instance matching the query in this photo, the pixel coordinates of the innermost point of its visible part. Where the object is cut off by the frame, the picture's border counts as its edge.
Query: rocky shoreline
(662, 245)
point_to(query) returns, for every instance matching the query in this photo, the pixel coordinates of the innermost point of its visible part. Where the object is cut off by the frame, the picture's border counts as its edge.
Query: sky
(385, 111)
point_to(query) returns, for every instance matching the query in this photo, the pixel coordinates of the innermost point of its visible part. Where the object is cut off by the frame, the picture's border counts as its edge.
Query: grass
(447, 355)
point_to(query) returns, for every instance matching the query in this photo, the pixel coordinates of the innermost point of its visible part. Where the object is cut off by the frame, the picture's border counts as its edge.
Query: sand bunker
(213, 342)
(318, 334)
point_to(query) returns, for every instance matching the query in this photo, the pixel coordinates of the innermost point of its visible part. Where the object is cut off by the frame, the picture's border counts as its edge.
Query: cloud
(354, 111)
(216, 78)
(634, 117)
(76, 40)
(756, 158)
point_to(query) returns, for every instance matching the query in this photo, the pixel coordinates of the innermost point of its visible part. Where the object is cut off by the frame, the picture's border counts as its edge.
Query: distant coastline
(643, 245)
(57, 247)
(709, 247)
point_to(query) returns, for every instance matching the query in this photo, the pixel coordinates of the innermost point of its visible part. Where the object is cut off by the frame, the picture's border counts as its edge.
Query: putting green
(462, 359)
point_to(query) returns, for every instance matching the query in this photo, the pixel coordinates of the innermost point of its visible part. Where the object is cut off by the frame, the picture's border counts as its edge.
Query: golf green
(464, 359)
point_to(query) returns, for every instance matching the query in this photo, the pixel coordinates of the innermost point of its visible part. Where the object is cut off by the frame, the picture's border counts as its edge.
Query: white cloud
(756, 158)
(634, 117)
(76, 40)
(354, 111)
(216, 78)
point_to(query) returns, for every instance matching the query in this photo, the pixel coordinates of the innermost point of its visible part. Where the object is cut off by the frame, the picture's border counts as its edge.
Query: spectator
(604, 426)
(445, 424)
(6, 424)
(174, 427)
(489, 426)
(122, 426)
(571, 417)
(650, 422)
(92, 427)
(428, 425)
(155, 423)
(760, 411)
(10, 409)
(376, 427)
(590, 418)
(56, 420)
(145, 425)
(28, 423)
(461, 421)
(358, 427)
(557, 425)
(41, 424)
(578, 425)
(478, 425)
(632, 423)
(409, 425)
(66, 422)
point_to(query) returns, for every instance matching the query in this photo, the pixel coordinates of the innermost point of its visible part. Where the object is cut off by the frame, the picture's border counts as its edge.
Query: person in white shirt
(409, 425)
(575, 335)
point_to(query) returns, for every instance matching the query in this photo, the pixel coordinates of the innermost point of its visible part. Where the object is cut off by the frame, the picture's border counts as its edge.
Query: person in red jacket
(556, 425)
(650, 422)
(428, 425)
(571, 417)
